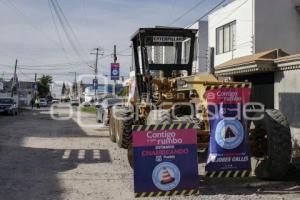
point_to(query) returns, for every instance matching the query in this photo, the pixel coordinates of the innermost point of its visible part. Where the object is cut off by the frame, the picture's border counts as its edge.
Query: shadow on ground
(251, 185)
(32, 173)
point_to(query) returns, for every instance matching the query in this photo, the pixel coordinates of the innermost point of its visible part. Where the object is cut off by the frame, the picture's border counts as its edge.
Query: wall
(242, 12)
(201, 45)
(286, 98)
(277, 25)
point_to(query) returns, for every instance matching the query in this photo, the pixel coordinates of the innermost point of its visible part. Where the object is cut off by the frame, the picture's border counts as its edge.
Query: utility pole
(96, 67)
(76, 89)
(14, 79)
(115, 61)
(35, 86)
(75, 92)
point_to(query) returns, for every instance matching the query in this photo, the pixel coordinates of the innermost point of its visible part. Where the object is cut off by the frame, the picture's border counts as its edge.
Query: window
(187, 48)
(225, 38)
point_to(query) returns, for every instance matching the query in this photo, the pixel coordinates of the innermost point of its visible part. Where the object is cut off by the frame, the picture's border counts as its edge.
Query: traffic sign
(115, 71)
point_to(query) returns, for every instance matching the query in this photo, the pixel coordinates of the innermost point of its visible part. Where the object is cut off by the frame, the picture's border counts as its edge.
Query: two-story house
(245, 27)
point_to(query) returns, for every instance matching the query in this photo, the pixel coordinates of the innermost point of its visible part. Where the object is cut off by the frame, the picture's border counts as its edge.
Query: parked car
(43, 102)
(55, 101)
(74, 102)
(49, 99)
(86, 104)
(65, 99)
(8, 106)
(98, 103)
(103, 111)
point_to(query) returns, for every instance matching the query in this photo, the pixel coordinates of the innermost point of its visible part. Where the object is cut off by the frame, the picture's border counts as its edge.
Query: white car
(74, 102)
(43, 102)
(55, 101)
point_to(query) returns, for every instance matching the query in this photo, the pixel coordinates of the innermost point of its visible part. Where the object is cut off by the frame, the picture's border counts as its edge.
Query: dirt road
(46, 159)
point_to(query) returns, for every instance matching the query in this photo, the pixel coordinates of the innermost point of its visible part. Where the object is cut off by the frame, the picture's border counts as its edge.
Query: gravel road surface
(71, 159)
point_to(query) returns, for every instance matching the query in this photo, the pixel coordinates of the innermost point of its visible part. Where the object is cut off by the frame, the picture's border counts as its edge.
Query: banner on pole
(115, 71)
(229, 154)
(34, 87)
(95, 84)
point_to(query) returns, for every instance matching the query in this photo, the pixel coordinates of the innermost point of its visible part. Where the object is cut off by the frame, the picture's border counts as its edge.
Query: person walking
(32, 103)
(37, 102)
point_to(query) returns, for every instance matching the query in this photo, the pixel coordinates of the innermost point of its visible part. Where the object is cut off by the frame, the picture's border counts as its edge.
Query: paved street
(46, 159)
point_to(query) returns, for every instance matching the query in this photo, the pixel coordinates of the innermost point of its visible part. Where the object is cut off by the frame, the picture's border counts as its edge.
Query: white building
(201, 46)
(245, 27)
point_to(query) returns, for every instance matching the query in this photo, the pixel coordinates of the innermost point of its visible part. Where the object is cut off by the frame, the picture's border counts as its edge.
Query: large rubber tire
(130, 155)
(112, 132)
(279, 146)
(154, 117)
(124, 129)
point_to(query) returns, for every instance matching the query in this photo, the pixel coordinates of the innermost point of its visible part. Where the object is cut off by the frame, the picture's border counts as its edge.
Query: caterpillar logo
(167, 193)
(163, 127)
(227, 174)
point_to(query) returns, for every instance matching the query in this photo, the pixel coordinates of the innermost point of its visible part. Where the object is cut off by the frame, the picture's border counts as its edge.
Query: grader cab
(164, 90)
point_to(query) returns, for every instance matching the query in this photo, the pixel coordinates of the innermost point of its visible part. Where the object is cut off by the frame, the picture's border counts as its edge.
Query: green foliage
(44, 85)
(92, 110)
(124, 91)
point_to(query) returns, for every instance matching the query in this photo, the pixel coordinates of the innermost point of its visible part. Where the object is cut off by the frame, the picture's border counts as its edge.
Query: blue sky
(28, 32)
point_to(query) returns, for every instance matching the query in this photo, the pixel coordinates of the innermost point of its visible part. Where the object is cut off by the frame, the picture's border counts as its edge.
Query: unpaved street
(46, 159)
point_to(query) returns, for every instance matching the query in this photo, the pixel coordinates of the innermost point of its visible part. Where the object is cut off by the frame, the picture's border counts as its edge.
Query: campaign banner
(165, 160)
(95, 84)
(114, 71)
(229, 154)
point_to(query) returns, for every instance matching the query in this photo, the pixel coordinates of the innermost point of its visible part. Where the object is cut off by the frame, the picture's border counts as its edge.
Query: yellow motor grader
(164, 90)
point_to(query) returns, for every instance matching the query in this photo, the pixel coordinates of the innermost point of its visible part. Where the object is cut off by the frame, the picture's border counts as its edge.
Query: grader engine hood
(192, 82)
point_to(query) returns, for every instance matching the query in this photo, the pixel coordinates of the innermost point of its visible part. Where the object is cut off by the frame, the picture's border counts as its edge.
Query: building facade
(245, 27)
(201, 46)
(22, 92)
(275, 78)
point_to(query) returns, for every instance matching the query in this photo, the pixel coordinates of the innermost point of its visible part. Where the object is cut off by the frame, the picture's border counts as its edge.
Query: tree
(124, 91)
(63, 89)
(44, 85)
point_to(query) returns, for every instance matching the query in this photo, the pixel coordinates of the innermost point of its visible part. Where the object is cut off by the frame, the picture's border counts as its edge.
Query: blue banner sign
(165, 160)
(229, 154)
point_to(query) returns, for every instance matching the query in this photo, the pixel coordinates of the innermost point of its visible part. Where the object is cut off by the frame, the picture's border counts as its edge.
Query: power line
(69, 25)
(56, 29)
(21, 14)
(211, 10)
(232, 12)
(85, 15)
(52, 64)
(65, 25)
(186, 12)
